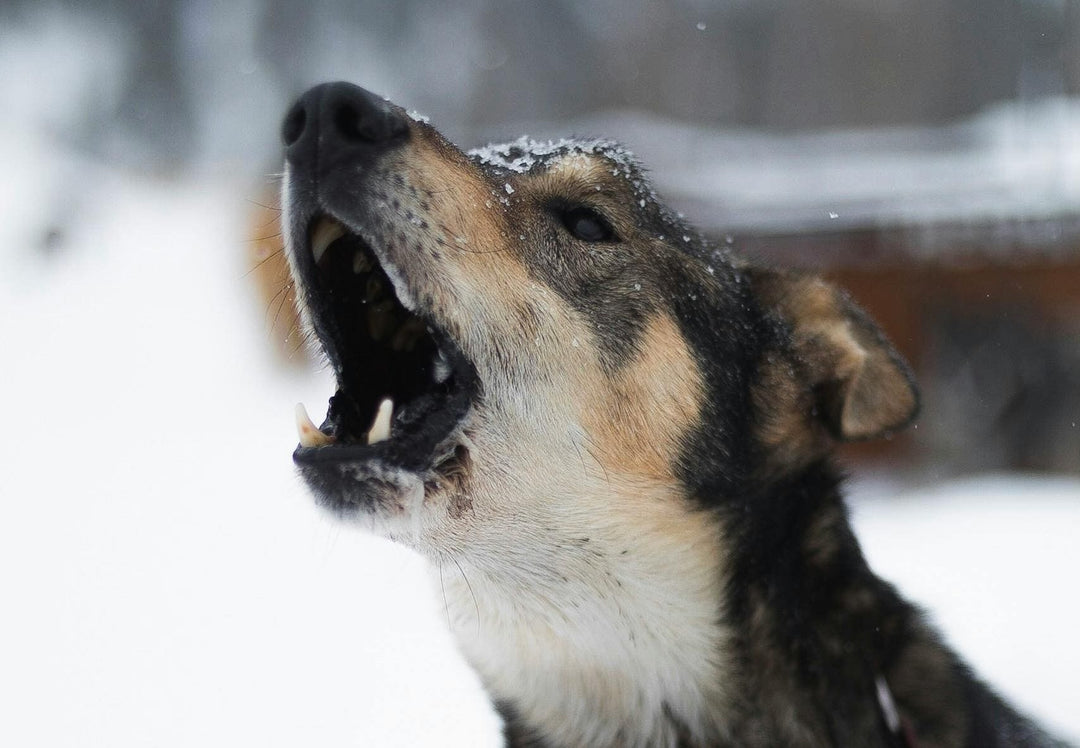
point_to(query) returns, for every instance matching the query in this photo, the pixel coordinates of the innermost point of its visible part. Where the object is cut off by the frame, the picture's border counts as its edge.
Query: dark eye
(588, 225)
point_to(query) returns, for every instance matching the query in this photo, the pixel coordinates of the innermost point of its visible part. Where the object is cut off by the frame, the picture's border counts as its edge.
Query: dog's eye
(588, 225)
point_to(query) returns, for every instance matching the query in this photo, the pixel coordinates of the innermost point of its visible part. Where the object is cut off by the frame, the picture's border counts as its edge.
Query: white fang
(380, 429)
(310, 435)
(325, 233)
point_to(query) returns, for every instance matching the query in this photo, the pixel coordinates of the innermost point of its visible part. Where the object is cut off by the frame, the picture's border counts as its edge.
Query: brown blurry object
(988, 317)
(274, 287)
(995, 348)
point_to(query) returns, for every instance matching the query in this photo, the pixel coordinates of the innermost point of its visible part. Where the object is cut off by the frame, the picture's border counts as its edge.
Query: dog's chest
(595, 650)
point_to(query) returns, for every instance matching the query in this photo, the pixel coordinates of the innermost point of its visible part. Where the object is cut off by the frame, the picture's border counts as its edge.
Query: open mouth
(403, 387)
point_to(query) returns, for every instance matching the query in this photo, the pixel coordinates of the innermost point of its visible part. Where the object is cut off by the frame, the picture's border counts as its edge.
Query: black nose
(340, 119)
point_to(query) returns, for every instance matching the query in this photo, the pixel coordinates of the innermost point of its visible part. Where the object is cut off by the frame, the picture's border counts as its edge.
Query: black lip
(413, 451)
(412, 448)
(424, 421)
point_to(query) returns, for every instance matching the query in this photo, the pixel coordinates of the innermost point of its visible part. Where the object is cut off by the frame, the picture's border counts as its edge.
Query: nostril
(335, 116)
(293, 126)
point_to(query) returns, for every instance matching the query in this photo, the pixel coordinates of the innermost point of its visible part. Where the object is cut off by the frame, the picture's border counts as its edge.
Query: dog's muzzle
(403, 387)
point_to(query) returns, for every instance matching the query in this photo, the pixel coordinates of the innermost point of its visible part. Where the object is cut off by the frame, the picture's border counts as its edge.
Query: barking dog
(618, 433)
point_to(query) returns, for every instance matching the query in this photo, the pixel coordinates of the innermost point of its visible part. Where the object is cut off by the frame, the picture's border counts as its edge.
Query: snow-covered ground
(994, 559)
(166, 581)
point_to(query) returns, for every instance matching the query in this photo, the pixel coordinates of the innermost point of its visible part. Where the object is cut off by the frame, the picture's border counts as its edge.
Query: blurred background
(170, 583)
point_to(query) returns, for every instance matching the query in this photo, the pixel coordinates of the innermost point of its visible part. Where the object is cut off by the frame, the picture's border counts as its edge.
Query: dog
(617, 435)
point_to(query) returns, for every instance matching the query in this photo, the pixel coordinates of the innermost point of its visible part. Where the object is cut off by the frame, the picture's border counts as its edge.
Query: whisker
(268, 237)
(261, 262)
(446, 603)
(303, 339)
(281, 305)
(468, 584)
(286, 299)
(589, 449)
(264, 206)
(270, 304)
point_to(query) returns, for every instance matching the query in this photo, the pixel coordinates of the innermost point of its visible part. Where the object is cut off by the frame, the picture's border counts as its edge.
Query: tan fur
(637, 419)
(862, 389)
(268, 270)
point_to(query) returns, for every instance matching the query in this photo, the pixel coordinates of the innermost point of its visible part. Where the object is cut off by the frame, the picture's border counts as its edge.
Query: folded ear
(859, 386)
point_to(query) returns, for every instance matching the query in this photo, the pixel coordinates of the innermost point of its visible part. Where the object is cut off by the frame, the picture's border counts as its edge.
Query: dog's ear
(857, 384)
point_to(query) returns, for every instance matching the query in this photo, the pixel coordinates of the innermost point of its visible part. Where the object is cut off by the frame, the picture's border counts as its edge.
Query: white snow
(165, 580)
(522, 154)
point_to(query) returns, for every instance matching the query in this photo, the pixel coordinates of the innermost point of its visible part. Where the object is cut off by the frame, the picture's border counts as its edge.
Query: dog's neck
(614, 640)
(632, 636)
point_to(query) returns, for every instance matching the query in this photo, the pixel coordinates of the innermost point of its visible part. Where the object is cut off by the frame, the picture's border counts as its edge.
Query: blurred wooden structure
(989, 318)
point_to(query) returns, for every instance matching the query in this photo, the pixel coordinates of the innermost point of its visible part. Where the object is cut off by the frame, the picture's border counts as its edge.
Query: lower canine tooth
(310, 436)
(380, 429)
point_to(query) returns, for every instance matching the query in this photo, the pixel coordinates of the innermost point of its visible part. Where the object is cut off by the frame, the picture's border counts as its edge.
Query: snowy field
(167, 582)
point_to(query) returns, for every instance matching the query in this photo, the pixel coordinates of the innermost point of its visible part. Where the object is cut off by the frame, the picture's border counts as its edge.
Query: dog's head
(524, 333)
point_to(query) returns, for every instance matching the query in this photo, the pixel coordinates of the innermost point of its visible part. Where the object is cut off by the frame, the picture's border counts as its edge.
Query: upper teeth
(325, 233)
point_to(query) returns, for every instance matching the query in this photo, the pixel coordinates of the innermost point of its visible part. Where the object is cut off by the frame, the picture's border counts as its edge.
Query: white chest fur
(606, 637)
